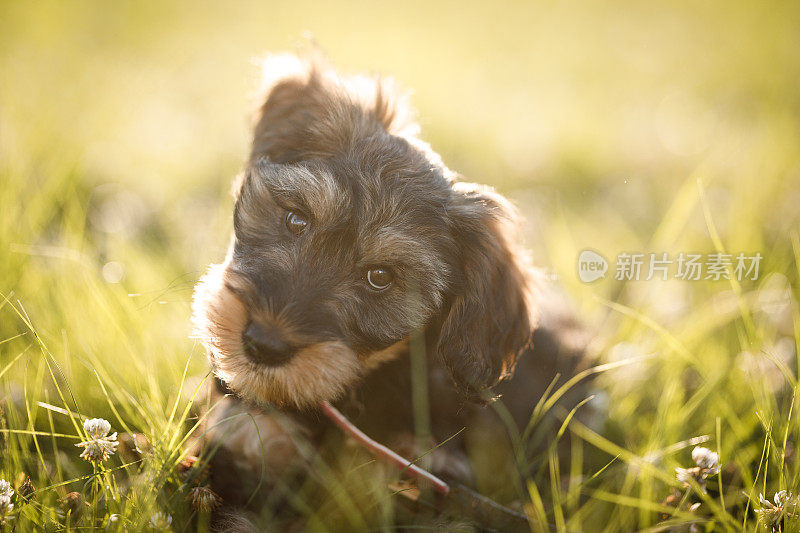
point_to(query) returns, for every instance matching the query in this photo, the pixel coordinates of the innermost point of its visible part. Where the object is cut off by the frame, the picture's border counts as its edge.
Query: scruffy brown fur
(342, 154)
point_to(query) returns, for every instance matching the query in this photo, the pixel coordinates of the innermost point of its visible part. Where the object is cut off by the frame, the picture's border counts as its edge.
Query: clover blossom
(100, 445)
(5, 488)
(707, 465)
(5, 505)
(771, 514)
(160, 521)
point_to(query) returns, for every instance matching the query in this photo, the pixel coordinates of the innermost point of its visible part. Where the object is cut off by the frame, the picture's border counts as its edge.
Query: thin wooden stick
(382, 451)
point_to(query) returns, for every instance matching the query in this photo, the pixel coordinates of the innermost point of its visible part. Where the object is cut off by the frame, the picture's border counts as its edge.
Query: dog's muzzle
(264, 345)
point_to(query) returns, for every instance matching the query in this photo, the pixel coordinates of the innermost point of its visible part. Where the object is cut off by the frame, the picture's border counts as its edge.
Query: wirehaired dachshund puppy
(355, 253)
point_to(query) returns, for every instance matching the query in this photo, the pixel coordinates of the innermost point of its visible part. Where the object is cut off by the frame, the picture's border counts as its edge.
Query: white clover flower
(771, 514)
(707, 465)
(160, 521)
(705, 458)
(5, 505)
(685, 475)
(5, 488)
(97, 427)
(100, 445)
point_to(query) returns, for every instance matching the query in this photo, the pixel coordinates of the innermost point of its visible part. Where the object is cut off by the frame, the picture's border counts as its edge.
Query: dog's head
(337, 259)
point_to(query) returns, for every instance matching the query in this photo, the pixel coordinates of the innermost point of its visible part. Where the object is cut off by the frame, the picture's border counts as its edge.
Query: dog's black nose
(264, 345)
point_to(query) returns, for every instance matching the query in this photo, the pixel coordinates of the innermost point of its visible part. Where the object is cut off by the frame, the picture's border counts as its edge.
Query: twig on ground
(382, 451)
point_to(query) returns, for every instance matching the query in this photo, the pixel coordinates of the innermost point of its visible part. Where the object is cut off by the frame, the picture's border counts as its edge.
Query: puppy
(358, 258)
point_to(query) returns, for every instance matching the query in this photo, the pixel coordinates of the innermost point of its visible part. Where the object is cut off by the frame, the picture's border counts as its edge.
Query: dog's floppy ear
(490, 317)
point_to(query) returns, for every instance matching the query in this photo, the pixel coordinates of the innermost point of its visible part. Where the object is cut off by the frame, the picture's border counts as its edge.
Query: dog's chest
(384, 404)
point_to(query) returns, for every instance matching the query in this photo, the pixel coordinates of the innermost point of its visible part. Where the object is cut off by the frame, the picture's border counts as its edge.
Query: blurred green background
(122, 125)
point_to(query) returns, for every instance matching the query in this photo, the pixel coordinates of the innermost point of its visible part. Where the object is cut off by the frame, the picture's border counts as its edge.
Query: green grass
(633, 127)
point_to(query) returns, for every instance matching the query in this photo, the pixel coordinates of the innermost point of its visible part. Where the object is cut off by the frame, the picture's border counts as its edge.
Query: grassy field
(632, 127)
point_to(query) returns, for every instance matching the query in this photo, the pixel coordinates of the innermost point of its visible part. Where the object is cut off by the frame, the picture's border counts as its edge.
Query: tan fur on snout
(218, 317)
(321, 371)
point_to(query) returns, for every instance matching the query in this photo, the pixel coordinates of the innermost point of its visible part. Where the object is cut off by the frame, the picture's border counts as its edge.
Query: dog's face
(333, 267)
(339, 255)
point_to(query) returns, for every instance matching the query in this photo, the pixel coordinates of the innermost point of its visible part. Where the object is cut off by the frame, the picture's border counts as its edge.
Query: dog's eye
(380, 278)
(296, 222)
